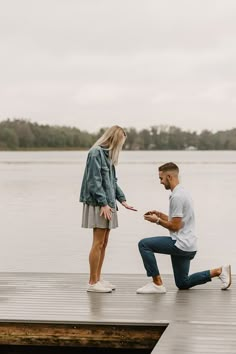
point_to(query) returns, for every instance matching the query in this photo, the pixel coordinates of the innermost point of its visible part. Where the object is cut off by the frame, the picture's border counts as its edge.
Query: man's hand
(157, 213)
(175, 224)
(149, 216)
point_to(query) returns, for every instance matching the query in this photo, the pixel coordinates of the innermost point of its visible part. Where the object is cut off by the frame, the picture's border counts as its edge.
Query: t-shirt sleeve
(177, 207)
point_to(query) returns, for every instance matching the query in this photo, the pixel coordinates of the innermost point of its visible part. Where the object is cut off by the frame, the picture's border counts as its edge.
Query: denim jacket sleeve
(120, 196)
(94, 178)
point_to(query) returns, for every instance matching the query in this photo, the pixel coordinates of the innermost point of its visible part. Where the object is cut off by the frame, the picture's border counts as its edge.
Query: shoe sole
(230, 279)
(147, 293)
(150, 293)
(97, 291)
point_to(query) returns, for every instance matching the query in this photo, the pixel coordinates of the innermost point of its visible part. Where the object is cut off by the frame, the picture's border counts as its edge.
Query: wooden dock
(46, 309)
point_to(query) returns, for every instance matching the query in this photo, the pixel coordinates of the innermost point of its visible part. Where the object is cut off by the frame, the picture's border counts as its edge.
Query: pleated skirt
(91, 218)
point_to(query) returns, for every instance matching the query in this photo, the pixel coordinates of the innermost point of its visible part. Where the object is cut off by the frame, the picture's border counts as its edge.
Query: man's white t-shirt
(181, 205)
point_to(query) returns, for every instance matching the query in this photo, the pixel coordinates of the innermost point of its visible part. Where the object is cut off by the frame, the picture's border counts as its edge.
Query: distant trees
(173, 138)
(22, 134)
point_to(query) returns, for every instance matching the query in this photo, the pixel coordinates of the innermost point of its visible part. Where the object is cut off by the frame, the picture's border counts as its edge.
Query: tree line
(20, 134)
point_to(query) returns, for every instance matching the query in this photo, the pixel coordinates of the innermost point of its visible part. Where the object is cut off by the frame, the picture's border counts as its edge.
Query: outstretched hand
(128, 206)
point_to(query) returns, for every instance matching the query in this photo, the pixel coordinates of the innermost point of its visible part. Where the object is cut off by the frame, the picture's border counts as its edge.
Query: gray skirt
(91, 218)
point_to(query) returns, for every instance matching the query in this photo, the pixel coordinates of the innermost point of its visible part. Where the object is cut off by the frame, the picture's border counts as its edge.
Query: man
(180, 245)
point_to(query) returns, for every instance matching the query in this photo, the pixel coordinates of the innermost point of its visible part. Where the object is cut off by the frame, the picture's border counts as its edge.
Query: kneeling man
(181, 245)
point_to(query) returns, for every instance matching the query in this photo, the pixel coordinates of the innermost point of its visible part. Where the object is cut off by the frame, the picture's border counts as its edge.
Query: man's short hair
(169, 166)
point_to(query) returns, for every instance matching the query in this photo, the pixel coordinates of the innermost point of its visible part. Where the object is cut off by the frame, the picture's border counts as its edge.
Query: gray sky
(95, 63)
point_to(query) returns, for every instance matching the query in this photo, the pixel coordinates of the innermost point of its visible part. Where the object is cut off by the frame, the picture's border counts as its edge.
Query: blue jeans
(180, 261)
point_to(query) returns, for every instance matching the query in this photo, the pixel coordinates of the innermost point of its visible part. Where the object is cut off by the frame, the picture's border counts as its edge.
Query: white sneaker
(225, 277)
(151, 288)
(98, 288)
(107, 284)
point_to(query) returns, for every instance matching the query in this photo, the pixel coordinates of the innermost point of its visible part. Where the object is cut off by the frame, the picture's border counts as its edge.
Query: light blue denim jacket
(99, 185)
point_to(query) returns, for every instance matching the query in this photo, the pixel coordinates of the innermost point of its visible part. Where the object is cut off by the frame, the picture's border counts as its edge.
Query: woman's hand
(106, 211)
(128, 206)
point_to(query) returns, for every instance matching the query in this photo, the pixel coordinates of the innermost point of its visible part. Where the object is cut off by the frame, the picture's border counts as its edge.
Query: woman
(99, 192)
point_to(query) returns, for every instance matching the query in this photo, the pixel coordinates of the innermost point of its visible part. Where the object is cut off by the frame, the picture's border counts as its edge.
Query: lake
(41, 214)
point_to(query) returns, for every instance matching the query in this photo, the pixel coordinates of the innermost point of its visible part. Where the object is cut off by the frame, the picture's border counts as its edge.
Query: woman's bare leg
(99, 236)
(103, 251)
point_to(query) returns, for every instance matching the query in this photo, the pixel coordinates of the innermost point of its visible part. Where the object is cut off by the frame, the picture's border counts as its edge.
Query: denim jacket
(99, 185)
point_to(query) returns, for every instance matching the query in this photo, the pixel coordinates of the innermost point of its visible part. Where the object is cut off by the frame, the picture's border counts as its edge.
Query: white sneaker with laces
(108, 284)
(226, 277)
(98, 288)
(151, 288)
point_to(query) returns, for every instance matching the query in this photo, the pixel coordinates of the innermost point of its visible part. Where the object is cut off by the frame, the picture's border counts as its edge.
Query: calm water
(41, 214)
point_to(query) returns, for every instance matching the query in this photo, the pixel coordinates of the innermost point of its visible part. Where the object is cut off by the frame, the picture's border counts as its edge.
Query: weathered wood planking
(200, 320)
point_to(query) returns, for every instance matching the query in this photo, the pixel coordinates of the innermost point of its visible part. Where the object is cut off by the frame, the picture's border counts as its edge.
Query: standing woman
(99, 192)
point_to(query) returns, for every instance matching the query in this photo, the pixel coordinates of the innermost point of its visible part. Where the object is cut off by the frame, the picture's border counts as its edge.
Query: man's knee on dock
(182, 284)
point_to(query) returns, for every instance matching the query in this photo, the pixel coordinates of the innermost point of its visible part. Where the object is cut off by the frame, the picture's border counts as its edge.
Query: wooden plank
(112, 336)
(197, 338)
(61, 299)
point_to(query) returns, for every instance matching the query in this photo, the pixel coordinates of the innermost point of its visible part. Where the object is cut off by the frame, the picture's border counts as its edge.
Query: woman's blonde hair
(112, 139)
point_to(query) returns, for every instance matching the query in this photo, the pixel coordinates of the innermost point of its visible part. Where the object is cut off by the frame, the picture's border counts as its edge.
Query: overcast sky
(95, 63)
